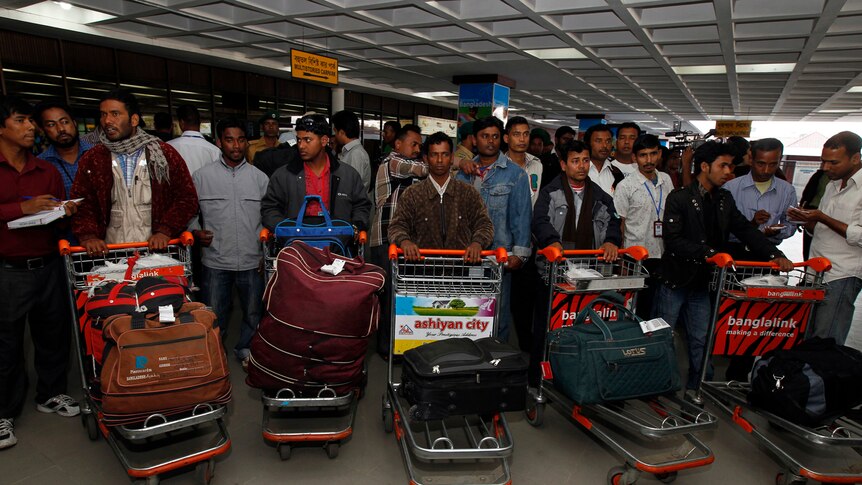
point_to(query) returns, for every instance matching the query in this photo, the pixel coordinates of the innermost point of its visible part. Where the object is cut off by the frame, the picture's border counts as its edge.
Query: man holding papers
(32, 278)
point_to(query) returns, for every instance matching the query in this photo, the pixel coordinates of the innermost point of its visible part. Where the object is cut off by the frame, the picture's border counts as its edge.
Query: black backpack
(811, 384)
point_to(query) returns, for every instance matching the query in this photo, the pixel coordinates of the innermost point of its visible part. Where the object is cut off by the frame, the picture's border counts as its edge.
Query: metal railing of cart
(653, 435)
(160, 443)
(469, 449)
(826, 454)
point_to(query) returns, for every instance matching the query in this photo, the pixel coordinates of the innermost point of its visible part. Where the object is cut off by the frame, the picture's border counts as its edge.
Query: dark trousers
(379, 255)
(646, 296)
(40, 297)
(522, 302)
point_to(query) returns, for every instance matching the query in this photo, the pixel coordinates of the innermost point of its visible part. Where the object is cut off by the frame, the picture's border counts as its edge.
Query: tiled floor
(56, 450)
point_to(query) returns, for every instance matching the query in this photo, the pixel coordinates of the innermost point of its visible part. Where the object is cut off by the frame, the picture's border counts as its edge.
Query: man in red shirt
(316, 172)
(32, 278)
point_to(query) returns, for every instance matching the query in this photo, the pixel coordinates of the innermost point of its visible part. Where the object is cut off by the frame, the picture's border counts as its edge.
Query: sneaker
(61, 404)
(7, 437)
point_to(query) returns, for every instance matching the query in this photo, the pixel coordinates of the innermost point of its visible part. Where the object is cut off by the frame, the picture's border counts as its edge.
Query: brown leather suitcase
(151, 367)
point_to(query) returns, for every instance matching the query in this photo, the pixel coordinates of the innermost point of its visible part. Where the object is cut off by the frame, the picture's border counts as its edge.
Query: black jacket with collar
(685, 238)
(285, 194)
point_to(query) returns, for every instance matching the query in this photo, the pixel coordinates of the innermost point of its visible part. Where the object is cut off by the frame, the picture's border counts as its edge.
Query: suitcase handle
(319, 200)
(608, 297)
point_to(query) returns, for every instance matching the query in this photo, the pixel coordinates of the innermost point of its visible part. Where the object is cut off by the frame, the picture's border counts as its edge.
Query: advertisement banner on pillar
(474, 102)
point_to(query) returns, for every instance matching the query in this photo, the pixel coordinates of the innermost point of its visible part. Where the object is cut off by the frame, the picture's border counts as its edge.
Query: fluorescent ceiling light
(71, 13)
(436, 94)
(342, 68)
(286, 68)
(693, 70)
(761, 68)
(837, 111)
(561, 53)
(855, 89)
(548, 121)
(653, 110)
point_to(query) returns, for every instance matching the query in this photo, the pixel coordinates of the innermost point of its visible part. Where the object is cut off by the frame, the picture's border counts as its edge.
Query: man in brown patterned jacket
(441, 212)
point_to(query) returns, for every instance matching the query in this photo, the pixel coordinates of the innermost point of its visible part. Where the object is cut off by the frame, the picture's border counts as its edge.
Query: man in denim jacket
(505, 190)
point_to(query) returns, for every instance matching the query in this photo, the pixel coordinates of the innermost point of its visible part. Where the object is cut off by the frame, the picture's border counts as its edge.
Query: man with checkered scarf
(134, 186)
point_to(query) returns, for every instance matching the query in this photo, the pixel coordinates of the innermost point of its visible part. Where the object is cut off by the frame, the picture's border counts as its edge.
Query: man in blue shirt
(762, 197)
(55, 119)
(505, 190)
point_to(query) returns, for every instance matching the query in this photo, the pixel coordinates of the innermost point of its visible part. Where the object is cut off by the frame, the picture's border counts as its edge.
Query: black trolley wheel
(92, 426)
(332, 449)
(205, 471)
(283, 450)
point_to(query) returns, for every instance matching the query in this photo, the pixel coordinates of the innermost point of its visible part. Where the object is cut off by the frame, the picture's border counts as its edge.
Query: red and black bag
(315, 328)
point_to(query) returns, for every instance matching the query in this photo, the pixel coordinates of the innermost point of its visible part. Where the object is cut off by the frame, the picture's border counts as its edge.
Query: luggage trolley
(459, 449)
(826, 454)
(654, 434)
(160, 443)
(289, 419)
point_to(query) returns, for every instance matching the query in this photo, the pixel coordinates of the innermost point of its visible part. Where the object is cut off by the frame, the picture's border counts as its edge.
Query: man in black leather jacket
(697, 222)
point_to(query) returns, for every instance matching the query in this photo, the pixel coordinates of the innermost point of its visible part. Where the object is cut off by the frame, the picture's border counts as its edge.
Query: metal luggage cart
(459, 449)
(826, 454)
(160, 443)
(653, 435)
(290, 419)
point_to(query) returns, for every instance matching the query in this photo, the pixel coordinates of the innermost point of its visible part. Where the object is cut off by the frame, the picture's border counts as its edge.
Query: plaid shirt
(389, 184)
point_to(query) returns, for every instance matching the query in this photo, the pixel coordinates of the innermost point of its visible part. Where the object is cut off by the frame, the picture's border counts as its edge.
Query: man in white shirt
(639, 200)
(624, 158)
(192, 145)
(837, 227)
(599, 139)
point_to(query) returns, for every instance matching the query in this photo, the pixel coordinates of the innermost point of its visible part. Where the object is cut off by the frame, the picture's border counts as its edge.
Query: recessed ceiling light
(67, 12)
(436, 94)
(855, 89)
(694, 70)
(761, 68)
(561, 53)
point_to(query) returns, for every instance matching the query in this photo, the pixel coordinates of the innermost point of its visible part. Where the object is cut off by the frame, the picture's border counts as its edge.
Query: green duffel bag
(598, 362)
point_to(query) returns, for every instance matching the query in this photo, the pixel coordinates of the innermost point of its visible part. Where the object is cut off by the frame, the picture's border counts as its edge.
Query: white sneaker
(61, 404)
(7, 436)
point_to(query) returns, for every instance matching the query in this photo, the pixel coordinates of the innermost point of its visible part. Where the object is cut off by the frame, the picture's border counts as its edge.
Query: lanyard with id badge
(656, 226)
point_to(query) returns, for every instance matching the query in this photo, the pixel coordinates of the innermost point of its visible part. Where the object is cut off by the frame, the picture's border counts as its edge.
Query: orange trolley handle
(553, 253)
(499, 253)
(186, 239)
(723, 260)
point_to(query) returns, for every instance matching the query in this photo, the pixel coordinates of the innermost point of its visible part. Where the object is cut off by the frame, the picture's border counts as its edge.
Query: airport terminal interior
(788, 69)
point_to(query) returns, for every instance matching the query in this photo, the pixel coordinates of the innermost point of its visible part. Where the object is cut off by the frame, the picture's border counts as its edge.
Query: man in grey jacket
(229, 192)
(315, 173)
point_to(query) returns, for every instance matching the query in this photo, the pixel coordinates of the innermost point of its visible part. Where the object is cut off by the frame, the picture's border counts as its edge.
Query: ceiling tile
(402, 17)
(685, 34)
(280, 7)
(589, 21)
(338, 23)
(223, 12)
(675, 14)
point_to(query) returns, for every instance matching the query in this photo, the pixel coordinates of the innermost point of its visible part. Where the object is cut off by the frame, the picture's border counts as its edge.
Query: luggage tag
(336, 267)
(166, 314)
(649, 326)
(657, 229)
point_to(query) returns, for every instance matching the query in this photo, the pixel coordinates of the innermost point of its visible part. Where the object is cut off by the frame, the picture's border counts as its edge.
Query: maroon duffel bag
(315, 328)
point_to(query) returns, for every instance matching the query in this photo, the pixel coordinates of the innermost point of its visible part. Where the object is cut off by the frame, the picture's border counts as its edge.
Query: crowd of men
(502, 186)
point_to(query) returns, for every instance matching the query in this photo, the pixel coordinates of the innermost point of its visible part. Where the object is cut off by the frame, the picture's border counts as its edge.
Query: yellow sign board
(312, 67)
(726, 128)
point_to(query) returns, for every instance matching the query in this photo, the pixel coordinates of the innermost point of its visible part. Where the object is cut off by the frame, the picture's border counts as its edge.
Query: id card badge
(656, 229)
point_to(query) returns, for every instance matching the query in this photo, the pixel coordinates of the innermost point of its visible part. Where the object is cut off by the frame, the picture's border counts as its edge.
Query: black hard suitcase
(460, 376)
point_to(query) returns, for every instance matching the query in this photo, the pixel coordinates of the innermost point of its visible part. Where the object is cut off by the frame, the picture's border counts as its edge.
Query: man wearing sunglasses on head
(316, 172)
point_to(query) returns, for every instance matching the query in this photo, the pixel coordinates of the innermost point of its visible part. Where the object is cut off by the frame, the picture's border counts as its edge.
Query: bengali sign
(313, 67)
